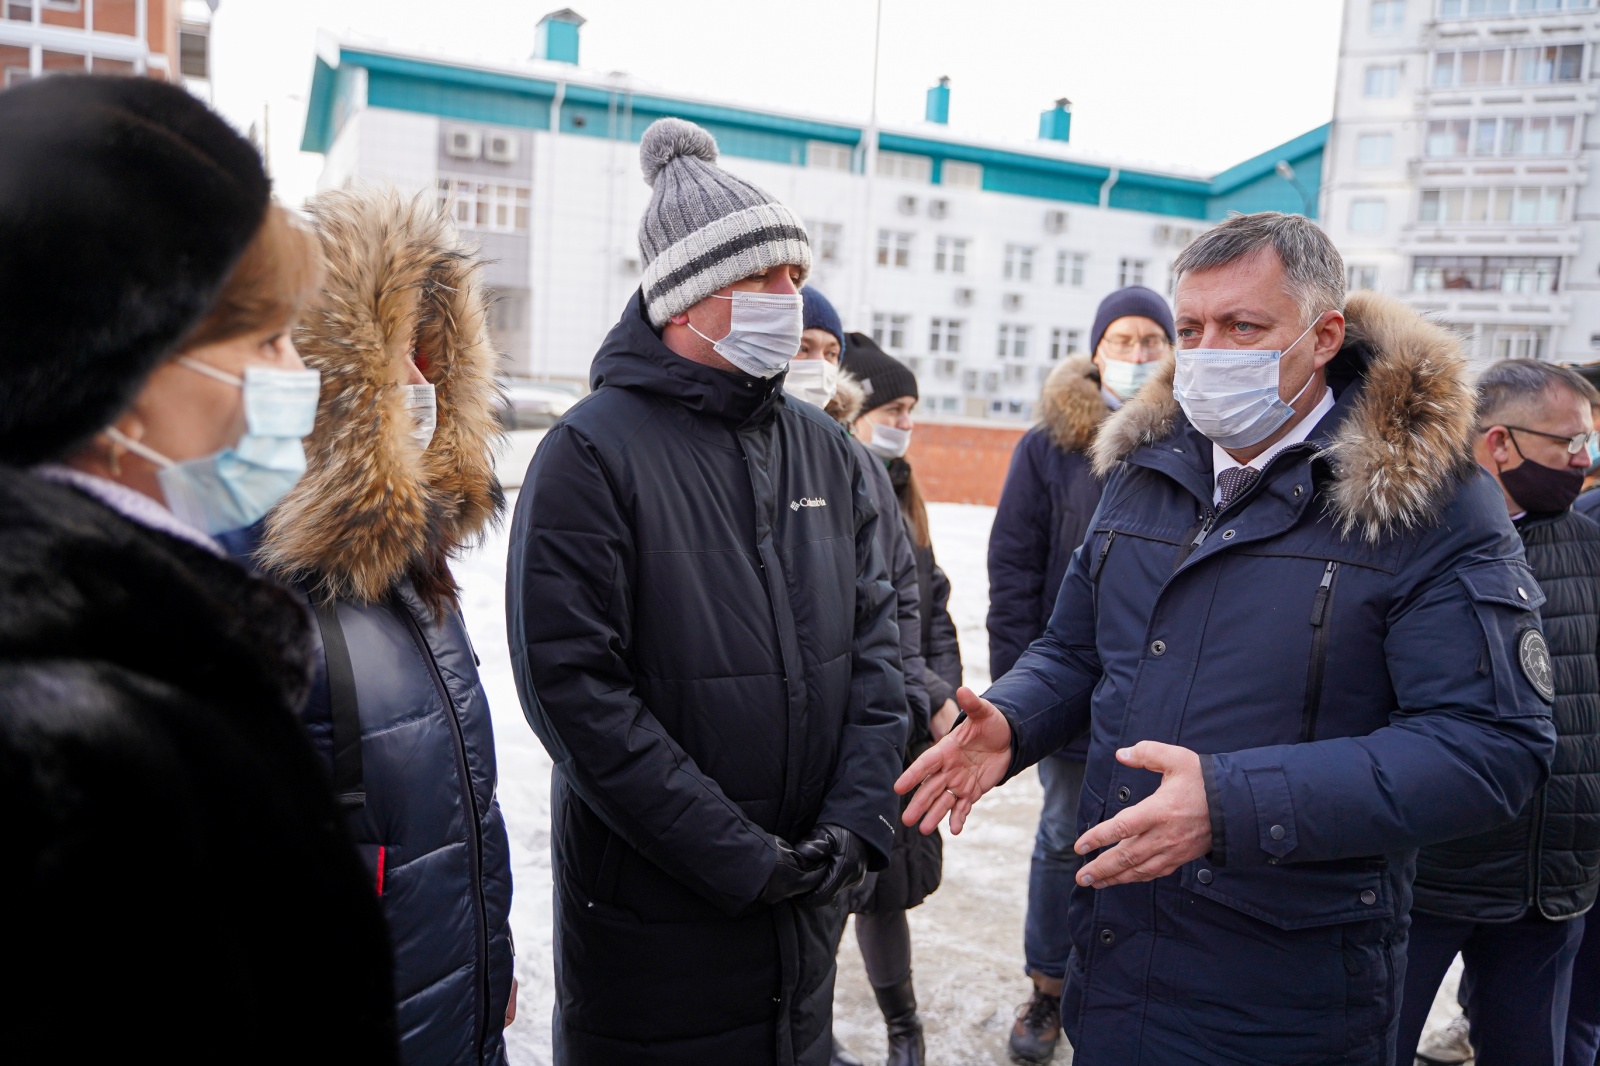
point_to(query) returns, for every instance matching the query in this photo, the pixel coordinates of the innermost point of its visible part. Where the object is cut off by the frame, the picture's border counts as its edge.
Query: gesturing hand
(1157, 835)
(969, 761)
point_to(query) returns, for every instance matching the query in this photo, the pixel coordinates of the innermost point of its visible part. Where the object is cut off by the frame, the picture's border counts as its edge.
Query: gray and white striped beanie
(705, 229)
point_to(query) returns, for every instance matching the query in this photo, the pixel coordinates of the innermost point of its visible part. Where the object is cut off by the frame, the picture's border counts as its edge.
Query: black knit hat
(884, 377)
(124, 204)
(1131, 300)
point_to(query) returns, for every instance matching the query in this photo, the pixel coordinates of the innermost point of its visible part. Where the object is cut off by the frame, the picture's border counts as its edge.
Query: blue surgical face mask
(1125, 379)
(763, 331)
(237, 486)
(1231, 394)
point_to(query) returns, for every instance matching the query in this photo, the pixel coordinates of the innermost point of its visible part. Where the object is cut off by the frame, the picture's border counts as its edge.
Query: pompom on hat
(705, 229)
(124, 205)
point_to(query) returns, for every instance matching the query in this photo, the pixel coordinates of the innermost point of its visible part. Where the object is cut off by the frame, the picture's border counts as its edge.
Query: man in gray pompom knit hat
(704, 638)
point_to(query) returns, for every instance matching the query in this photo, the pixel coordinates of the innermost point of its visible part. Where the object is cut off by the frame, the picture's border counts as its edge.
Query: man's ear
(1498, 441)
(680, 319)
(1330, 333)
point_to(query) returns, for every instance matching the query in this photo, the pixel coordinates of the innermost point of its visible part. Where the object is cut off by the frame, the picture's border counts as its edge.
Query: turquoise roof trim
(504, 99)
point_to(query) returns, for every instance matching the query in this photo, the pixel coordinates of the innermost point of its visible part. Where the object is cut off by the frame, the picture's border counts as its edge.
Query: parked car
(530, 408)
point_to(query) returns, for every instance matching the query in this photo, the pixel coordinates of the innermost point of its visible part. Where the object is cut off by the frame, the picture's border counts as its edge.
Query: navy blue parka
(1350, 648)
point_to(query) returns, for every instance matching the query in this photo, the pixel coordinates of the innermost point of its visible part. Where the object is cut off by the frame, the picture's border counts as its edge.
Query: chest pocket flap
(1506, 599)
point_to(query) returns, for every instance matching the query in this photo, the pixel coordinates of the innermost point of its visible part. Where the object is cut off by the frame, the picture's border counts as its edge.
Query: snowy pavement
(966, 939)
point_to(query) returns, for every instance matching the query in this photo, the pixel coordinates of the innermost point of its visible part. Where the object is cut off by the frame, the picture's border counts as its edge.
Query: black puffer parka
(702, 633)
(1549, 858)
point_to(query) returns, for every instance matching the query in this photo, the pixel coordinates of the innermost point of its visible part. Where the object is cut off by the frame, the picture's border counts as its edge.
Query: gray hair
(1518, 386)
(1313, 265)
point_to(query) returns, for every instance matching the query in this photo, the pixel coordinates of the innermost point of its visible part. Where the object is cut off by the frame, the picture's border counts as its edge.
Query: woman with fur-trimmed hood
(399, 477)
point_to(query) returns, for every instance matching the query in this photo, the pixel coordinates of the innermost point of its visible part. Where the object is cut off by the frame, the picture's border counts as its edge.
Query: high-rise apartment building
(157, 38)
(978, 262)
(1458, 166)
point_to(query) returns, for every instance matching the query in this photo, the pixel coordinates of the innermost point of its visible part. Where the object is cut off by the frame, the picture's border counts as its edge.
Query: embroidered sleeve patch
(1534, 656)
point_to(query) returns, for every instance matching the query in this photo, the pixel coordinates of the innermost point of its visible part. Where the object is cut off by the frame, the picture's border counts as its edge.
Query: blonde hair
(272, 281)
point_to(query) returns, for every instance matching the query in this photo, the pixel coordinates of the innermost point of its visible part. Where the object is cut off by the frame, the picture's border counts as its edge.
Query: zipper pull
(1319, 606)
(1100, 559)
(1205, 530)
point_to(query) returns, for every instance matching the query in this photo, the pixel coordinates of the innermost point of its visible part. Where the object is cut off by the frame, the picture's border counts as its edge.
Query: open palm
(950, 776)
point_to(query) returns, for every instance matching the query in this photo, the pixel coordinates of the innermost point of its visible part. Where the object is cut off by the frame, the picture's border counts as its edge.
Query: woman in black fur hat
(177, 883)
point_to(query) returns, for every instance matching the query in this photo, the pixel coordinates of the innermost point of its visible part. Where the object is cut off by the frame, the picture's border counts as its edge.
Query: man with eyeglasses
(1049, 495)
(1512, 900)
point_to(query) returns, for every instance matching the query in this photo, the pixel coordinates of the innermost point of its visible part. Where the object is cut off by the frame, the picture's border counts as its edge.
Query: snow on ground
(966, 939)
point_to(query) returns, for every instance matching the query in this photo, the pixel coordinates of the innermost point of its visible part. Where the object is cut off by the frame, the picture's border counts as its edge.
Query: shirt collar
(129, 503)
(1221, 460)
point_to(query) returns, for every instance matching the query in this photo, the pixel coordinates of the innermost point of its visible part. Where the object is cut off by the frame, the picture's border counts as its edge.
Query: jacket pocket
(1321, 616)
(1298, 896)
(1506, 598)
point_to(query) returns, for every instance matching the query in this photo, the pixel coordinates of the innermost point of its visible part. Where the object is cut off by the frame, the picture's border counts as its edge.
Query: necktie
(1235, 482)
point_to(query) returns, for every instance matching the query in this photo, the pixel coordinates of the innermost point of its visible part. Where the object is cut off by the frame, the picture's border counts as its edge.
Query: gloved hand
(794, 875)
(845, 857)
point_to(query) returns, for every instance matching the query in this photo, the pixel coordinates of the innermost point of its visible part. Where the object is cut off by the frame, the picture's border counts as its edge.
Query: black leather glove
(794, 875)
(845, 861)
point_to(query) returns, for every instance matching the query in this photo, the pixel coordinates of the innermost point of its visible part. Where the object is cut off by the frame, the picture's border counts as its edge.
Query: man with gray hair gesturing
(703, 635)
(1304, 641)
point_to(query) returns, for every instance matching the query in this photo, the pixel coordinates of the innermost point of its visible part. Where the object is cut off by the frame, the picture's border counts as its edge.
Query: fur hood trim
(848, 398)
(1407, 443)
(1071, 406)
(373, 509)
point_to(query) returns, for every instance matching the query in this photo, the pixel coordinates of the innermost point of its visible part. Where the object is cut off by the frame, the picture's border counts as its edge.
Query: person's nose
(289, 355)
(779, 281)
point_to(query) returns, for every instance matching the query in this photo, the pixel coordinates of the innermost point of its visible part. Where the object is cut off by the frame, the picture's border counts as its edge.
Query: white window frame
(1382, 77)
(949, 255)
(825, 155)
(890, 329)
(1365, 210)
(959, 175)
(1018, 264)
(486, 205)
(1130, 271)
(944, 335)
(894, 249)
(1369, 154)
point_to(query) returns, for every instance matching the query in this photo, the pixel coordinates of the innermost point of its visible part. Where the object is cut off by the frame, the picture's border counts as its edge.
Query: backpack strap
(348, 784)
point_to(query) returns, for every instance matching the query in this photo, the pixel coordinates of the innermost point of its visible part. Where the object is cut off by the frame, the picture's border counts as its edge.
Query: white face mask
(421, 403)
(812, 380)
(1231, 394)
(1125, 379)
(763, 331)
(888, 442)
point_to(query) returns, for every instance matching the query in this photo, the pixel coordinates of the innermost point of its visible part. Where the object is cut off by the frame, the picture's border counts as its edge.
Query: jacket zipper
(475, 852)
(1199, 539)
(1100, 559)
(1319, 652)
(1535, 851)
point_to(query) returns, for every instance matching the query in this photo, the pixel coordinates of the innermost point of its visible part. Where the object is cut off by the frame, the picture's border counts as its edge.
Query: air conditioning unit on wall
(1012, 301)
(500, 147)
(908, 205)
(938, 208)
(1055, 221)
(963, 297)
(463, 143)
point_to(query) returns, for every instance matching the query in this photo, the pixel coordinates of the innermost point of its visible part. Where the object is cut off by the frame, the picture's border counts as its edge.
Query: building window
(1388, 16)
(1540, 64)
(194, 51)
(1063, 342)
(944, 335)
(1459, 9)
(889, 331)
(1015, 373)
(961, 175)
(1018, 263)
(1525, 343)
(1130, 272)
(1545, 135)
(485, 205)
(907, 167)
(950, 255)
(894, 249)
(946, 368)
(1069, 268)
(1361, 277)
(1381, 81)
(1374, 149)
(827, 239)
(1518, 206)
(1367, 216)
(827, 156)
(1013, 341)
(1527, 275)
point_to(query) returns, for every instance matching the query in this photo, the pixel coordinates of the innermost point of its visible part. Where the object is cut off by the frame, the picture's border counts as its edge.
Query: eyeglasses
(1579, 442)
(1126, 345)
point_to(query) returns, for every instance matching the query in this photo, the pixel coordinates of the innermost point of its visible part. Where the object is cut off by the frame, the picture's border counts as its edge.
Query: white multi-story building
(1457, 170)
(980, 263)
(160, 38)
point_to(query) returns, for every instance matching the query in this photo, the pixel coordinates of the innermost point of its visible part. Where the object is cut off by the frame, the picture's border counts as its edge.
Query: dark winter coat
(1348, 646)
(1045, 505)
(1549, 857)
(178, 884)
(1588, 505)
(702, 632)
(366, 536)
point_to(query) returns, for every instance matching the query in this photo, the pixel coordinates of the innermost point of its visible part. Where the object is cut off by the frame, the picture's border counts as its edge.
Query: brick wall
(962, 463)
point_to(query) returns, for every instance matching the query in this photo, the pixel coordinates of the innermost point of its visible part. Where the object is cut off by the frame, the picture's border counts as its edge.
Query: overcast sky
(1192, 84)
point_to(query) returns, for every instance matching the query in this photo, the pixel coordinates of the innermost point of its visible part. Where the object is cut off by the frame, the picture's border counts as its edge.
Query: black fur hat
(124, 203)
